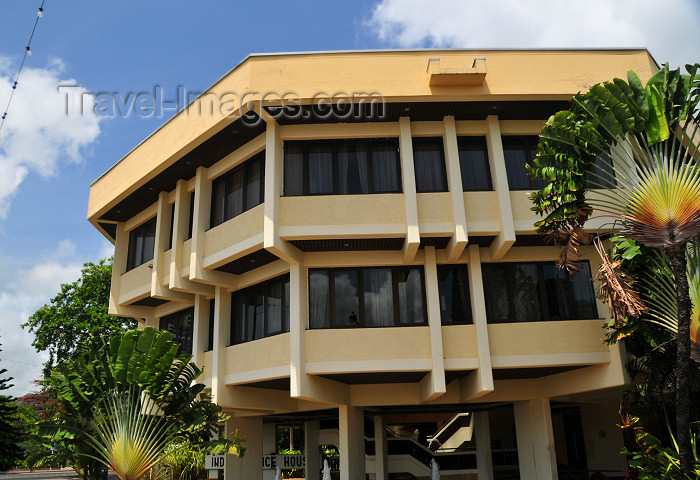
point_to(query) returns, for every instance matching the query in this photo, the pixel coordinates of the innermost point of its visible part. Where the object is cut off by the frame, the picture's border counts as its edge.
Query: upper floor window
(238, 190)
(210, 336)
(142, 241)
(429, 165)
(518, 152)
(474, 164)
(172, 221)
(533, 292)
(455, 305)
(366, 297)
(342, 167)
(180, 324)
(260, 311)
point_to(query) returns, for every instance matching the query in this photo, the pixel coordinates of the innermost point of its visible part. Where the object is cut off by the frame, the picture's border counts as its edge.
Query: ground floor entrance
(529, 440)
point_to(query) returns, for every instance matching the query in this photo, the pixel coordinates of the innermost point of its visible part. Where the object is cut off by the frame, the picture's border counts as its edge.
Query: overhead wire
(27, 53)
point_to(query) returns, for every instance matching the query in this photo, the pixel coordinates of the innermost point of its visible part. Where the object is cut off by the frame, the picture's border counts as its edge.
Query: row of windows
(395, 296)
(356, 166)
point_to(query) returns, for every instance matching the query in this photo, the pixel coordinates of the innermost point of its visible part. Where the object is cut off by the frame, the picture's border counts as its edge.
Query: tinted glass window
(180, 324)
(429, 164)
(260, 311)
(455, 305)
(238, 190)
(474, 164)
(531, 292)
(141, 244)
(342, 167)
(210, 338)
(518, 152)
(368, 297)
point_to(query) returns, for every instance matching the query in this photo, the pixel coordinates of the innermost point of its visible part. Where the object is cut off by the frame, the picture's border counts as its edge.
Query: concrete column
(248, 467)
(121, 251)
(161, 245)
(200, 337)
(497, 163)
(222, 329)
(533, 429)
(482, 437)
(180, 228)
(409, 190)
(459, 239)
(200, 222)
(298, 321)
(433, 385)
(381, 457)
(269, 446)
(352, 442)
(311, 447)
(480, 382)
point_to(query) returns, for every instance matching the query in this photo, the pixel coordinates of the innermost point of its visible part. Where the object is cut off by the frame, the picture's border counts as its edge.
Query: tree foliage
(10, 433)
(144, 361)
(75, 314)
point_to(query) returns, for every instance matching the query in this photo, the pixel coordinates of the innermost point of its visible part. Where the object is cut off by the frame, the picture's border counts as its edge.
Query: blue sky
(47, 160)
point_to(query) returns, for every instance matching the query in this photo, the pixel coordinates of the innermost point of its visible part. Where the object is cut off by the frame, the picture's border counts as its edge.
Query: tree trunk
(678, 263)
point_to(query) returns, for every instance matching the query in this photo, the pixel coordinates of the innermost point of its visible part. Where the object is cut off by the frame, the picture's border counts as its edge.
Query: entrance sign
(285, 462)
(215, 462)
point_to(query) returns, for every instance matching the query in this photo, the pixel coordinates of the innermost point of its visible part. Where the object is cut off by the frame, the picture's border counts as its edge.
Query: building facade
(344, 243)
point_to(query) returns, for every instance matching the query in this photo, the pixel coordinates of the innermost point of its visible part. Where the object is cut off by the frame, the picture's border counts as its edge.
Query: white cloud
(23, 291)
(669, 33)
(38, 136)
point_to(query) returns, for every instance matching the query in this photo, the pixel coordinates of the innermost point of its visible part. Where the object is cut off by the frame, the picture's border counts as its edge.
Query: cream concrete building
(344, 242)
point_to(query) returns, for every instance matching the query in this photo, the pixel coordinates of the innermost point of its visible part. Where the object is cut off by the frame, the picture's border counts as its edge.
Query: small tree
(78, 312)
(10, 433)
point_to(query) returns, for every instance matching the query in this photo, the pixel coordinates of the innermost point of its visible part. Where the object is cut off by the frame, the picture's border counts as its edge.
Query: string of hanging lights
(27, 53)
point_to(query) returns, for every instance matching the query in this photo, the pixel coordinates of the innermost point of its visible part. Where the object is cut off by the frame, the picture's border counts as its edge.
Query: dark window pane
(474, 164)
(429, 166)
(385, 168)
(273, 305)
(602, 174)
(238, 313)
(234, 195)
(519, 151)
(379, 297)
(253, 184)
(319, 299)
(286, 305)
(353, 176)
(347, 297)
(180, 325)
(218, 201)
(255, 314)
(141, 244)
(172, 225)
(410, 295)
(293, 169)
(320, 168)
(455, 306)
(210, 333)
(191, 224)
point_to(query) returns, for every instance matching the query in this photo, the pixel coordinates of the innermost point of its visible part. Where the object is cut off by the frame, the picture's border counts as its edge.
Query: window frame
(284, 279)
(361, 294)
(461, 140)
(542, 294)
(131, 261)
(441, 148)
(227, 178)
(334, 144)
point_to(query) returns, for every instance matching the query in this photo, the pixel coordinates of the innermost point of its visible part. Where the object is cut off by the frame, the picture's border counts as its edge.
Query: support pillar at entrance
(248, 467)
(482, 437)
(311, 447)
(533, 429)
(381, 457)
(351, 421)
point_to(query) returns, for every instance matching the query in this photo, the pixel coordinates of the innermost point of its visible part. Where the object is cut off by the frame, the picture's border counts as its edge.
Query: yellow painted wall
(482, 212)
(343, 210)
(233, 231)
(521, 210)
(258, 354)
(534, 338)
(459, 341)
(435, 207)
(367, 344)
(136, 279)
(208, 361)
